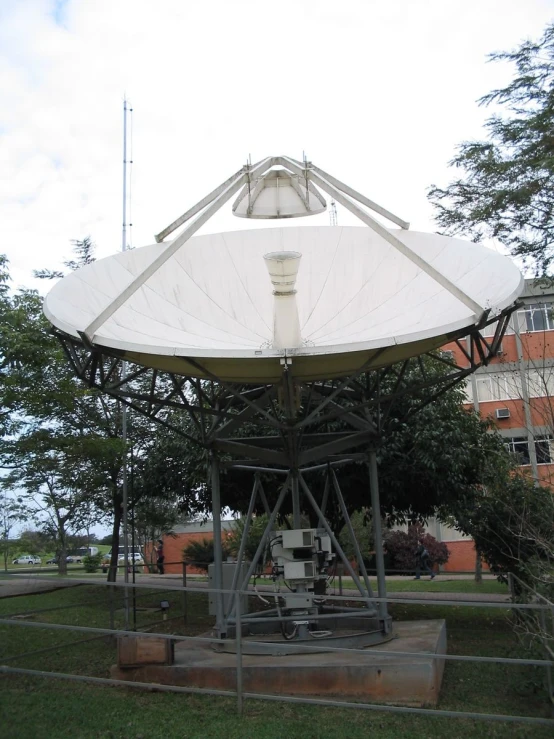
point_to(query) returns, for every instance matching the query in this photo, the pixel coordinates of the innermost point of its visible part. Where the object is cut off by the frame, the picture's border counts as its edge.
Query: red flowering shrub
(401, 547)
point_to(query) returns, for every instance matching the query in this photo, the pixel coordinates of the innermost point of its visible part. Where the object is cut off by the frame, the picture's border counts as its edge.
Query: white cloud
(378, 93)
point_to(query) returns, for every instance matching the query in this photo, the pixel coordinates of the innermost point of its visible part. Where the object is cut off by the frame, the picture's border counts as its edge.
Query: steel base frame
(293, 420)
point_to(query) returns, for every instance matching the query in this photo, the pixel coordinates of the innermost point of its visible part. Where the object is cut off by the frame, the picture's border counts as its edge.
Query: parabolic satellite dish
(360, 302)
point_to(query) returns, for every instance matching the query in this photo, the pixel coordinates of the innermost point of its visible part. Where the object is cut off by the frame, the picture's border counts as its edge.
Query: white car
(27, 559)
(133, 557)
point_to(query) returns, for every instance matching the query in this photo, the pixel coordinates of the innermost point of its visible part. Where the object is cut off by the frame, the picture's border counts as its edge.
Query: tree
(506, 191)
(12, 512)
(512, 523)
(92, 420)
(51, 469)
(153, 518)
(34, 542)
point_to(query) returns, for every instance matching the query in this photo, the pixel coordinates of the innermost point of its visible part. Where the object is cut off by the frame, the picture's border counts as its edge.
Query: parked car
(27, 559)
(135, 557)
(69, 559)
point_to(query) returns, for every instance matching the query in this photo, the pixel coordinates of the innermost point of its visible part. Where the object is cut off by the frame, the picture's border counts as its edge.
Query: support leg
(296, 523)
(218, 558)
(311, 500)
(240, 556)
(377, 534)
(348, 522)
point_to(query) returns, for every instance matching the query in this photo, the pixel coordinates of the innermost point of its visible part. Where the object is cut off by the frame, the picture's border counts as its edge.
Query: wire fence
(183, 622)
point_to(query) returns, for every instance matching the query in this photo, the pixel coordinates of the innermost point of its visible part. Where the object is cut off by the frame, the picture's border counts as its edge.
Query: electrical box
(298, 538)
(228, 573)
(299, 600)
(299, 570)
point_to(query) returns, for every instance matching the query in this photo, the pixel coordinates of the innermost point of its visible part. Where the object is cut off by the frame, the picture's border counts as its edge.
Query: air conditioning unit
(502, 413)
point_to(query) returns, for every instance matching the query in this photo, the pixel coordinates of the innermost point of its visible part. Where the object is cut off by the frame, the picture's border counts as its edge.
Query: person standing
(160, 557)
(422, 561)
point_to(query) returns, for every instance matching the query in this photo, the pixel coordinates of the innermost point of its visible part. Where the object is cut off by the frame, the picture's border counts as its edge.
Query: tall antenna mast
(124, 229)
(123, 406)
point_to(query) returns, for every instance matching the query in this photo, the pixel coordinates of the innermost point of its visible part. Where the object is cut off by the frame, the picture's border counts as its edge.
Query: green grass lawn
(438, 585)
(37, 708)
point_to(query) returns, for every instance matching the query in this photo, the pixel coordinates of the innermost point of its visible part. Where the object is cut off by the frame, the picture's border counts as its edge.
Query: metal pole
(134, 591)
(218, 557)
(325, 498)
(242, 547)
(124, 407)
(529, 427)
(124, 227)
(184, 592)
(265, 535)
(377, 533)
(110, 605)
(335, 543)
(348, 522)
(238, 647)
(296, 523)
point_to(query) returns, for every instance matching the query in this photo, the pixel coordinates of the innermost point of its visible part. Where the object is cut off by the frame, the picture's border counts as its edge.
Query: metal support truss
(364, 588)
(359, 407)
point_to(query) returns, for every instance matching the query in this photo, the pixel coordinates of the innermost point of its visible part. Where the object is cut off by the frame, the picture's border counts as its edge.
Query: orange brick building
(516, 390)
(182, 536)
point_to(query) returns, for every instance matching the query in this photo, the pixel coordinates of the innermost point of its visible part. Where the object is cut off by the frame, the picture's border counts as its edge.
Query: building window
(541, 382)
(504, 386)
(519, 446)
(544, 449)
(536, 317)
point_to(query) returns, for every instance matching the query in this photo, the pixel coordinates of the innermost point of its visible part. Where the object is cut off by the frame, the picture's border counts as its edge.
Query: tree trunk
(62, 553)
(478, 567)
(62, 561)
(112, 572)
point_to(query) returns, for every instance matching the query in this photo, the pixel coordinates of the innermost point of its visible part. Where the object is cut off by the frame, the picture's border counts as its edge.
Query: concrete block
(369, 676)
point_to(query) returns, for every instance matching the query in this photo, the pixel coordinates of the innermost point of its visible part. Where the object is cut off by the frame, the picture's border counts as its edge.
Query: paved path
(20, 584)
(27, 585)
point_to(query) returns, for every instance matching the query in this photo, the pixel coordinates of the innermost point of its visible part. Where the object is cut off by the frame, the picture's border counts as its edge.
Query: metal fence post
(184, 592)
(547, 655)
(110, 605)
(238, 644)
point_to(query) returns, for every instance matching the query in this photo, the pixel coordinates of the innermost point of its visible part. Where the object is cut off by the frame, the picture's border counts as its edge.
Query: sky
(378, 93)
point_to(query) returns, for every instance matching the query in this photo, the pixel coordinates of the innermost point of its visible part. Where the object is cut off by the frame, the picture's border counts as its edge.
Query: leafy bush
(201, 553)
(362, 525)
(401, 547)
(513, 528)
(255, 532)
(92, 562)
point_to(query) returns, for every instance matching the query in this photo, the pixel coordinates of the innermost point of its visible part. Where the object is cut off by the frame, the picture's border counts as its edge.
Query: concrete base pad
(369, 676)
